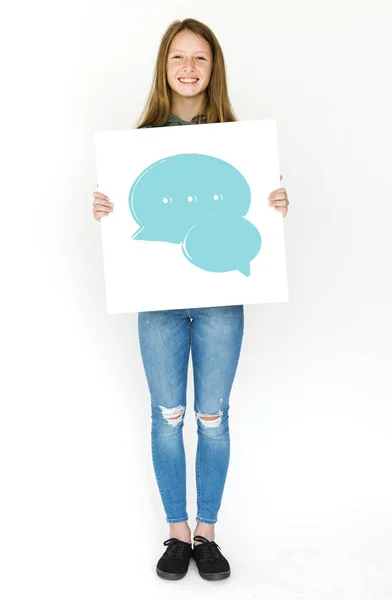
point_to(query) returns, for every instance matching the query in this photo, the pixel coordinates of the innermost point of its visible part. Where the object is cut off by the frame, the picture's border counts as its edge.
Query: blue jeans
(214, 336)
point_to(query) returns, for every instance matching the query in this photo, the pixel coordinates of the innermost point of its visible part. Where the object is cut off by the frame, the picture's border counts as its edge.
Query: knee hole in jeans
(173, 415)
(210, 420)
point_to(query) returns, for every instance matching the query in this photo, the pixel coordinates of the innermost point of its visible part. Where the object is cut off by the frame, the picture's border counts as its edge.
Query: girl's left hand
(278, 199)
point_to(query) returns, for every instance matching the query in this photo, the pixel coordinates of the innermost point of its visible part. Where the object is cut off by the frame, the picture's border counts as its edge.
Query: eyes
(179, 56)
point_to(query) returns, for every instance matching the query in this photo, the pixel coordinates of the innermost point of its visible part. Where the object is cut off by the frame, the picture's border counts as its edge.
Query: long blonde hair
(217, 109)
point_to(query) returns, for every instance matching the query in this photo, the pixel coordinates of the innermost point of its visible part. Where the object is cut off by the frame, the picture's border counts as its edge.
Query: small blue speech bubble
(174, 193)
(221, 243)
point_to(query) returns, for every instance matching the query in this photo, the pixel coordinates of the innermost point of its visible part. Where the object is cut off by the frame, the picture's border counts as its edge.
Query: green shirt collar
(173, 119)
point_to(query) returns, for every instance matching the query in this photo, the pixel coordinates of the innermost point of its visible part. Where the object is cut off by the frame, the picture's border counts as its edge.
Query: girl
(190, 87)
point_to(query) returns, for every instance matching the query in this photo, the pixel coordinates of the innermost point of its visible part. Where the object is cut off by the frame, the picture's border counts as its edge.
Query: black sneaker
(174, 562)
(209, 559)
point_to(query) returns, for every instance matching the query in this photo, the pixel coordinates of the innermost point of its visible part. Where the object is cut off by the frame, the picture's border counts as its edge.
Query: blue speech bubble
(222, 243)
(174, 193)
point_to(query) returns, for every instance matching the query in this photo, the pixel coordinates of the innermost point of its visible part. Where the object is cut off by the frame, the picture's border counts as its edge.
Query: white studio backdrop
(308, 493)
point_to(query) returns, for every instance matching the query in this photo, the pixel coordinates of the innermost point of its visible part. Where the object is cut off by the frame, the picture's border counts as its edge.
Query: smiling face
(189, 64)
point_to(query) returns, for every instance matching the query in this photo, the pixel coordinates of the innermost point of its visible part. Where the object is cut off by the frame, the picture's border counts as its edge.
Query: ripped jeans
(214, 336)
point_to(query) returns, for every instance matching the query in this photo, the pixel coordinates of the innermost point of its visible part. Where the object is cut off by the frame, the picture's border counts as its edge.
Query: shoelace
(175, 548)
(210, 550)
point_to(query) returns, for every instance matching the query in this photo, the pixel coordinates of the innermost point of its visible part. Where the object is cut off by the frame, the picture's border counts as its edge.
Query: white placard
(145, 274)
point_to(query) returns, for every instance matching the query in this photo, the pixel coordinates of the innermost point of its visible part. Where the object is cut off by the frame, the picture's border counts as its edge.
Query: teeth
(188, 79)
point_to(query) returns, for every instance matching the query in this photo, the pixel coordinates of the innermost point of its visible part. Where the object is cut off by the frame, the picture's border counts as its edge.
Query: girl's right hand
(101, 205)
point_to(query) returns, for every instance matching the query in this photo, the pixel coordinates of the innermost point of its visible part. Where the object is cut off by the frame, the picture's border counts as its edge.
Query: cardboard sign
(191, 225)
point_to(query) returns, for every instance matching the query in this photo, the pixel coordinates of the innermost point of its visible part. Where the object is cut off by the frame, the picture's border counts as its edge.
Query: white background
(156, 275)
(306, 512)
